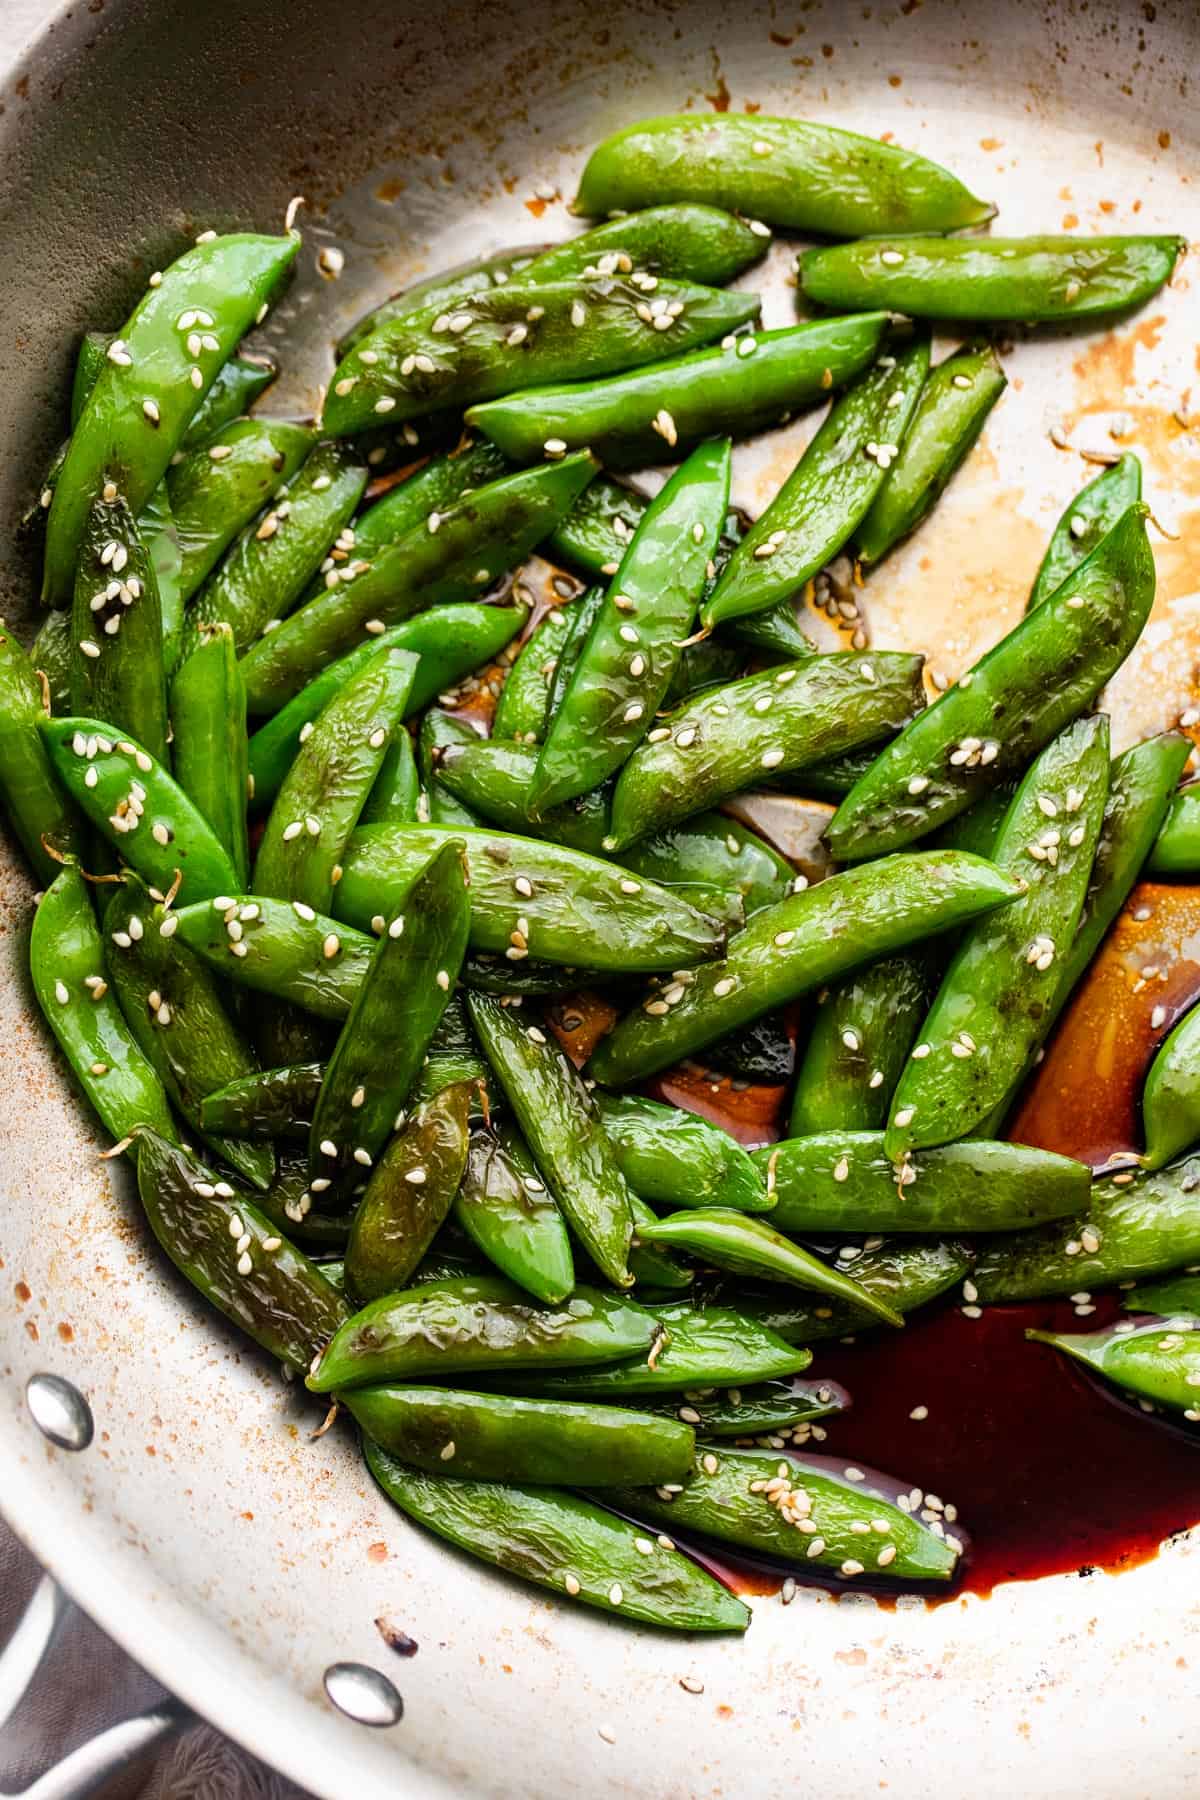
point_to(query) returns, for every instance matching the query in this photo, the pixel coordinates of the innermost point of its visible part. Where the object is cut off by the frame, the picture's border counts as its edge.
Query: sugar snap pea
(562, 1542)
(789, 172)
(439, 805)
(280, 947)
(797, 944)
(504, 1207)
(1023, 279)
(996, 718)
(655, 1268)
(584, 614)
(274, 1103)
(521, 709)
(906, 1274)
(662, 410)
(1176, 850)
(1171, 1096)
(697, 1347)
(117, 670)
(1176, 1297)
(208, 719)
(220, 486)
(1090, 516)
(51, 655)
(765, 1409)
(714, 850)
(1156, 1364)
(494, 779)
(156, 526)
(236, 386)
(408, 1196)
(395, 796)
(675, 1158)
(861, 1034)
(38, 809)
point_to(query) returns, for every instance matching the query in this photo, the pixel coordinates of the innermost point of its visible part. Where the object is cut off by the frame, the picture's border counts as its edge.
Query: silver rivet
(59, 1411)
(364, 1694)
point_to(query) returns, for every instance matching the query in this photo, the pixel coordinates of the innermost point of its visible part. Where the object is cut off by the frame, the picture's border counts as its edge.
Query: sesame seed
(891, 257)
(725, 986)
(555, 447)
(905, 1116)
(633, 713)
(629, 886)
(244, 1264)
(771, 759)
(616, 1593)
(918, 784)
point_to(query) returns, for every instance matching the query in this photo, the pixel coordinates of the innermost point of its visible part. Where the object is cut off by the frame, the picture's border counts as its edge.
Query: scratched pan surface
(202, 1529)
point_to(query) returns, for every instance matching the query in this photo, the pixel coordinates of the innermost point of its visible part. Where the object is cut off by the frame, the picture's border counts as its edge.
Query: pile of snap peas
(304, 926)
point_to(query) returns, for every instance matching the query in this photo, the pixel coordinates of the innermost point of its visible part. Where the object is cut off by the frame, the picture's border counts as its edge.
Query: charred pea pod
(862, 1032)
(532, 900)
(692, 1347)
(661, 411)
(234, 1255)
(674, 1158)
(237, 385)
(272, 561)
(727, 737)
(792, 173)
(521, 709)
(786, 949)
(1022, 280)
(70, 979)
(632, 650)
(283, 948)
(220, 486)
(562, 1542)
(992, 1009)
(285, 1203)
(775, 1412)
(829, 492)
(43, 816)
(905, 1275)
(1171, 1096)
(270, 1103)
(51, 654)
(560, 1123)
(438, 803)
(208, 720)
(117, 656)
(481, 1325)
(948, 417)
(154, 379)
(759, 1052)
(494, 780)
(1158, 1365)
(409, 1195)
(713, 850)
(450, 641)
(839, 1182)
(521, 335)
(504, 1207)
(138, 808)
(802, 1511)
(1176, 850)
(449, 557)
(998, 715)
(1090, 516)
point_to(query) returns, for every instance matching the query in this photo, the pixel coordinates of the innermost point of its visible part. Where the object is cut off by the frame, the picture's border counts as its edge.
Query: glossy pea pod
(654, 1267)
(1176, 1297)
(409, 1195)
(812, 937)
(271, 1103)
(521, 335)
(395, 796)
(494, 781)
(1021, 280)
(692, 1347)
(521, 709)
(283, 948)
(828, 493)
(393, 1017)
(1171, 1095)
(70, 980)
(450, 557)
(208, 722)
(659, 412)
(861, 1034)
(560, 1541)
(728, 737)
(633, 647)
(763, 1410)
(507, 1211)
(117, 670)
(138, 808)
(998, 715)
(234, 1255)
(584, 614)
(220, 486)
(1090, 516)
(450, 642)
(156, 525)
(1159, 1365)
(906, 1275)
(675, 1158)
(562, 1128)
(714, 850)
(439, 804)
(154, 379)
(949, 415)
(1176, 850)
(38, 805)
(237, 385)
(992, 1009)
(51, 654)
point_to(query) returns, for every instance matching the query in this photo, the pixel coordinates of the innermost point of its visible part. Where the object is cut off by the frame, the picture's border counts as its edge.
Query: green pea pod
(829, 492)
(495, 779)
(704, 665)
(660, 411)
(441, 1069)
(450, 641)
(396, 795)
(439, 804)
(978, 828)
(579, 910)
(156, 525)
(948, 417)
(1157, 1366)
(1176, 850)
(584, 614)
(709, 1347)
(1171, 1096)
(726, 737)
(1021, 280)
(842, 1181)
(522, 706)
(445, 289)
(810, 938)
(51, 655)
(154, 379)
(89, 365)
(802, 1512)
(271, 1103)
(905, 1275)
(862, 1032)
(70, 979)
(562, 1127)
(505, 1209)
(174, 1009)
(237, 385)
(116, 622)
(746, 1246)
(39, 810)
(448, 558)
(1145, 1225)
(326, 788)
(834, 779)
(272, 562)
(713, 850)
(791, 173)
(633, 648)
(996, 718)
(408, 1196)
(768, 1409)
(138, 808)
(1090, 516)
(280, 947)
(234, 1255)
(477, 1325)
(220, 486)
(654, 1269)
(1177, 1297)
(521, 335)
(287, 1204)
(565, 1543)
(993, 1007)
(393, 1016)
(674, 1158)
(208, 718)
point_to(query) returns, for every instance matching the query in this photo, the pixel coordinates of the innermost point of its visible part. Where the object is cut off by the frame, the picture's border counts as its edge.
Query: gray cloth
(86, 1684)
